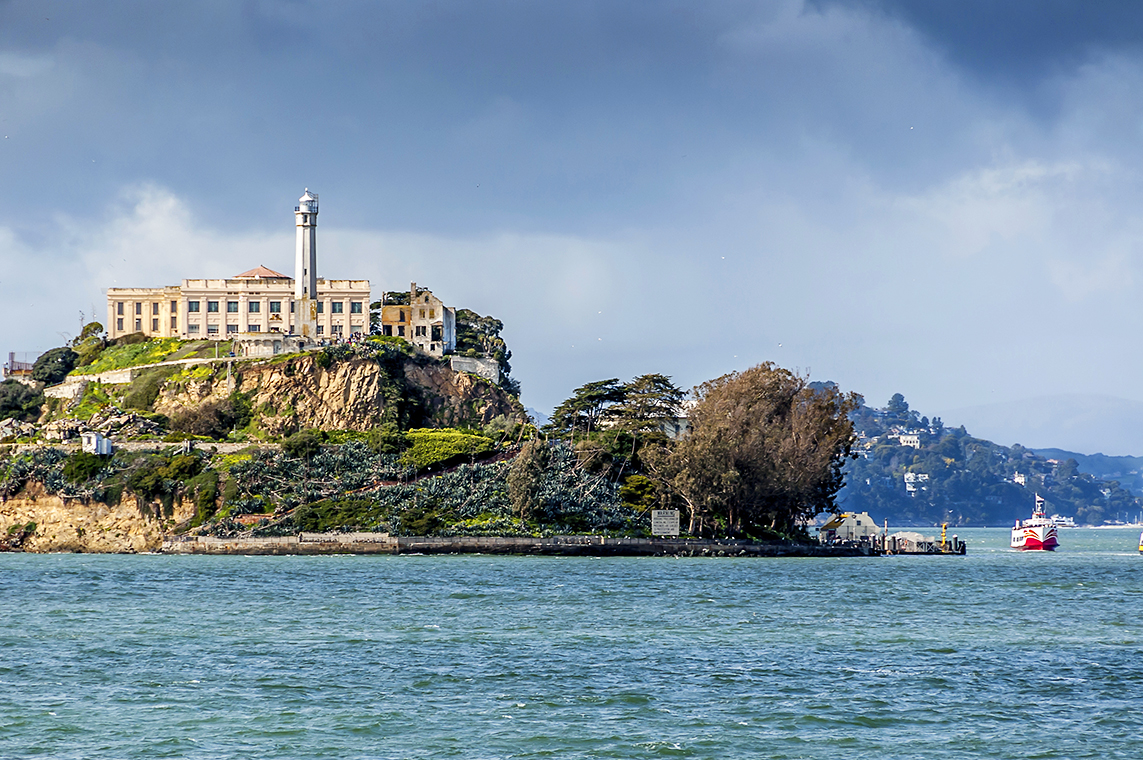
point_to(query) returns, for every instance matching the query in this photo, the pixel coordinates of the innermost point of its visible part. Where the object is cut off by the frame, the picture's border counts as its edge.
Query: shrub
(440, 448)
(19, 401)
(214, 419)
(303, 444)
(81, 466)
(638, 492)
(145, 389)
(52, 367)
(130, 339)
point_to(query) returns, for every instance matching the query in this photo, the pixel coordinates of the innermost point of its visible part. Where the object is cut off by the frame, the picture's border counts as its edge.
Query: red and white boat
(1036, 533)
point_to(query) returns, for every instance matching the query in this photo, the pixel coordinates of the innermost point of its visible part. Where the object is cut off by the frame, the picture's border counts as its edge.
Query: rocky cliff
(78, 526)
(357, 393)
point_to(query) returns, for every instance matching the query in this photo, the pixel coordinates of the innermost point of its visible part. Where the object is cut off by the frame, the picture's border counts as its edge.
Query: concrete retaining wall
(383, 543)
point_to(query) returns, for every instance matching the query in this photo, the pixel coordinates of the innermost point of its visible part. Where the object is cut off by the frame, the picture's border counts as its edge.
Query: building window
(212, 329)
(401, 331)
(138, 308)
(154, 325)
(212, 307)
(174, 322)
(232, 328)
(119, 323)
(336, 330)
(291, 307)
(402, 319)
(138, 325)
(254, 328)
(355, 307)
(422, 313)
(154, 309)
(321, 307)
(275, 307)
(337, 307)
(420, 331)
(192, 329)
(174, 306)
(192, 307)
(231, 307)
(320, 329)
(254, 307)
(387, 330)
(356, 328)
(432, 313)
(119, 310)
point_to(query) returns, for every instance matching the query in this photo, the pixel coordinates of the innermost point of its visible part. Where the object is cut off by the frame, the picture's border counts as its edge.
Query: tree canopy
(52, 367)
(763, 452)
(19, 401)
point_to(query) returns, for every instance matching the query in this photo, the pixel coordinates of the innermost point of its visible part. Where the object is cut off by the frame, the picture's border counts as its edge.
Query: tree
(524, 478)
(586, 407)
(648, 402)
(52, 367)
(763, 452)
(18, 401)
(375, 318)
(480, 336)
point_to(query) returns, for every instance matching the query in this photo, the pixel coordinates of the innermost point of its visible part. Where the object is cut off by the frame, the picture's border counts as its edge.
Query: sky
(935, 198)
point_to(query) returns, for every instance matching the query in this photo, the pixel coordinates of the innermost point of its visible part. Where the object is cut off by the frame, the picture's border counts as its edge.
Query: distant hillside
(914, 471)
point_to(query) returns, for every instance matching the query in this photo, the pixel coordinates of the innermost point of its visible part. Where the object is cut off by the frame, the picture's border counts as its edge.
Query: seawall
(596, 546)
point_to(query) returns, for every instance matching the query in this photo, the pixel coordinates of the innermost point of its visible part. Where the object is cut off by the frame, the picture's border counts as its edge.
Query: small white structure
(849, 526)
(913, 481)
(95, 443)
(910, 439)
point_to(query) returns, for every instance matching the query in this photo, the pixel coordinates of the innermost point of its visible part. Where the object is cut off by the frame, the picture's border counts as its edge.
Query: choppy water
(996, 654)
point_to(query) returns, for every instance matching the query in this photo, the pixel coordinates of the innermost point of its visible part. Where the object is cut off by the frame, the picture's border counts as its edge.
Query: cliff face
(350, 394)
(75, 526)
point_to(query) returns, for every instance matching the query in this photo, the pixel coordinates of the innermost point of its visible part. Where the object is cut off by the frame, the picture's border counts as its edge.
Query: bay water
(994, 654)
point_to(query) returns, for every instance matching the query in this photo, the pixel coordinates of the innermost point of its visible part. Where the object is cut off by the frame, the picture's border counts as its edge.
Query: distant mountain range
(1072, 423)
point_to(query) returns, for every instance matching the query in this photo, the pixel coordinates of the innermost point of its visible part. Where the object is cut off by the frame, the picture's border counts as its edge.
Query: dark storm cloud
(1018, 41)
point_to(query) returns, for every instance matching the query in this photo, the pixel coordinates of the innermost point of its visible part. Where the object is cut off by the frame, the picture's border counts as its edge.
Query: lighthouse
(305, 265)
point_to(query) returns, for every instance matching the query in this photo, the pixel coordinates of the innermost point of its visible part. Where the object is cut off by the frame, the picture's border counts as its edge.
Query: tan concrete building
(424, 321)
(257, 301)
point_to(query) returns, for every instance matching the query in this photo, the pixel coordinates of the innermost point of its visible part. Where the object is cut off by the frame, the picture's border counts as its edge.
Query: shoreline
(594, 546)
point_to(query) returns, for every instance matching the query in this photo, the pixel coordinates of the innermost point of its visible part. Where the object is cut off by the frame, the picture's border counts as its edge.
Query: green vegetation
(18, 401)
(956, 478)
(54, 365)
(765, 452)
(480, 336)
(81, 466)
(124, 355)
(429, 448)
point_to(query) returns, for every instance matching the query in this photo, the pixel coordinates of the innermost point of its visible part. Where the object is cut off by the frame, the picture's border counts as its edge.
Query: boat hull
(1035, 538)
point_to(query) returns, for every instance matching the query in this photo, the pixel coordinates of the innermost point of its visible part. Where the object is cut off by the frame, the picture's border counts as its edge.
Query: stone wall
(383, 543)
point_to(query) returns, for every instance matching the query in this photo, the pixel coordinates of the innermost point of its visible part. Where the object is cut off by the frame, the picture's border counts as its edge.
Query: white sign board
(664, 522)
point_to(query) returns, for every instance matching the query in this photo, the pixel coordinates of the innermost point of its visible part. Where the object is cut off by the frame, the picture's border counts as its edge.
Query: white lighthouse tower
(305, 266)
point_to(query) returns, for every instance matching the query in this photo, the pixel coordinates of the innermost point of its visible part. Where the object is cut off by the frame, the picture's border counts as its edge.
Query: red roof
(260, 273)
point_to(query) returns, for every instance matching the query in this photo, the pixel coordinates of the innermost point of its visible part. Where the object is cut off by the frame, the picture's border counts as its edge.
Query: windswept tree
(764, 451)
(585, 409)
(649, 403)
